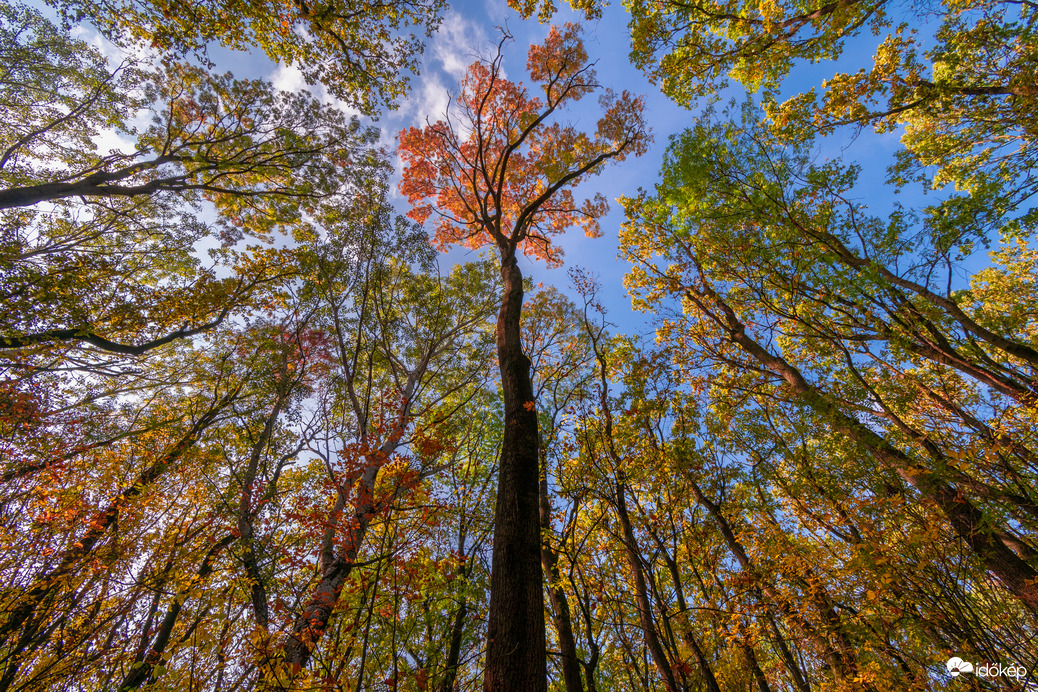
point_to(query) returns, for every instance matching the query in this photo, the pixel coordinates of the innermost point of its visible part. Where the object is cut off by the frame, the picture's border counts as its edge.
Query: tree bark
(561, 616)
(516, 646)
(590, 664)
(100, 342)
(335, 569)
(246, 511)
(103, 184)
(454, 653)
(450, 673)
(641, 593)
(336, 564)
(790, 661)
(754, 666)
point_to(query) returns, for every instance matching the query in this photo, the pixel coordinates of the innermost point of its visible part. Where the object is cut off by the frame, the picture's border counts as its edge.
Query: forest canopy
(285, 404)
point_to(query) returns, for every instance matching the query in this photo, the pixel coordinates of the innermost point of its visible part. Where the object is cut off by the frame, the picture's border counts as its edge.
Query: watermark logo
(956, 666)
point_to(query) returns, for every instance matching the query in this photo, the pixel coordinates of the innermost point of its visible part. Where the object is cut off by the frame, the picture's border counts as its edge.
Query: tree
(360, 51)
(259, 155)
(90, 538)
(592, 9)
(693, 49)
(790, 286)
(810, 334)
(560, 368)
(107, 240)
(179, 505)
(958, 77)
(403, 343)
(499, 171)
(189, 422)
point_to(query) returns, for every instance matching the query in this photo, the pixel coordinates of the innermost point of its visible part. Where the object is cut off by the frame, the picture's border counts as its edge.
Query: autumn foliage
(256, 435)
(499, 169)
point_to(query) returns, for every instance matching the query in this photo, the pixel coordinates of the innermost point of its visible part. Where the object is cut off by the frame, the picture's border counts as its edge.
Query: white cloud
(288, 78)
(457, 44)
(327, 97)
(140, 52)
(426, 102)
(109, 141)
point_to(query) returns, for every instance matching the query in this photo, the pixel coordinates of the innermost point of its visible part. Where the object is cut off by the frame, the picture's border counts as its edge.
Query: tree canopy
(259, 431)
(361, 51)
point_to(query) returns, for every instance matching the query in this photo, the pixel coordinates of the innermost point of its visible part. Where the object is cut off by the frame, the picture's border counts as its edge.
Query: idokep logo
(956, 666)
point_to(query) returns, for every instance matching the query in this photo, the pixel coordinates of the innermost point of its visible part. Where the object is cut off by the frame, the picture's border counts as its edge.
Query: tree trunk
(754, 665)
(836, 661)
(515, 633)
(146, 660)
(336, 564)
(28, 614)
(454, 653)
(641, 594)
(590, 664)
(559, 603)
(792, 667)
(686, 623)
(450, 673)
(246, 511)
(313, 620)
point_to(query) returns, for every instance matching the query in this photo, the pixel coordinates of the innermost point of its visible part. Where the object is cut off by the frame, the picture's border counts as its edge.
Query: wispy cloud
(457, 44)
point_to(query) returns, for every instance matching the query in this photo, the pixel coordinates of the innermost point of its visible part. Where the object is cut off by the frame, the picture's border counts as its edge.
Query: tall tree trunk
(590, 664)
(335, 568)
(706, 670)
(515, 633)
(453, 662)
(842, 669)
(246, 511)
(335, 564)
(754, 665)
(641, 592)
(792, 667)
(30, 612)
(147, 659)
(559, 603)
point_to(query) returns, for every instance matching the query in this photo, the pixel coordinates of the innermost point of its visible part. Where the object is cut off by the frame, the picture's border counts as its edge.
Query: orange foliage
(498, 170)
